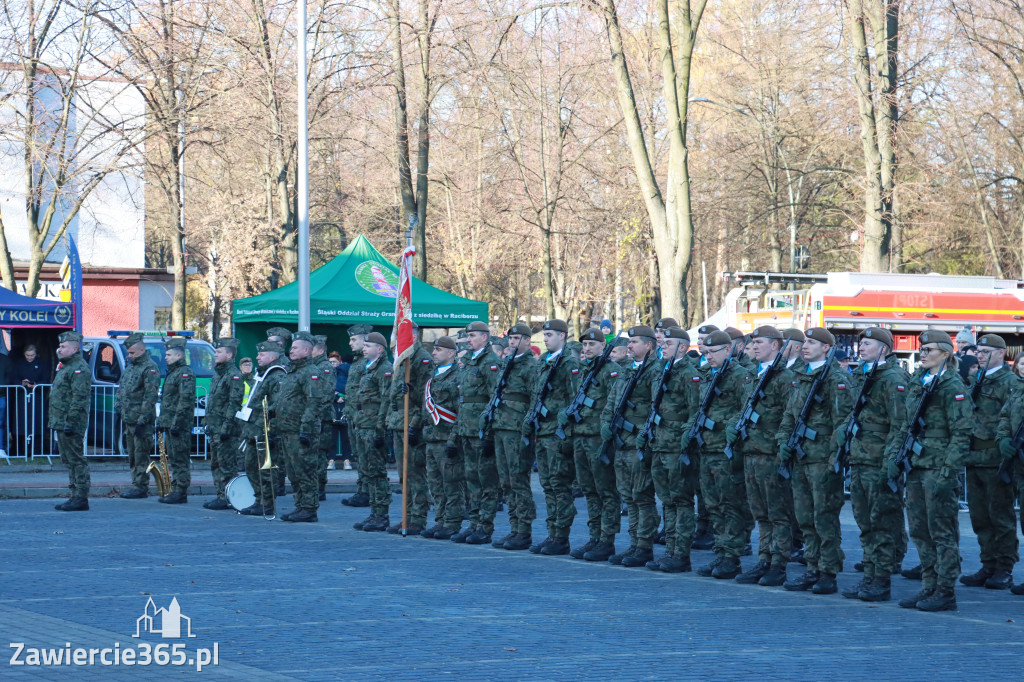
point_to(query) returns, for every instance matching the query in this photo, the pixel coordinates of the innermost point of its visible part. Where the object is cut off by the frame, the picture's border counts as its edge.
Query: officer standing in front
(177, 413)
(69, 417)
(262, 398)
(222, 402)
(367, 427)
(135, 402)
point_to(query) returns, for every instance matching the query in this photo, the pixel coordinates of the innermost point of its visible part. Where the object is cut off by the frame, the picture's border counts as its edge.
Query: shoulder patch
(387, 374)
(426, 362)
(695, 379)
(841, 386)
(575, 371)
(794, 383)
(236, 378)
(152, 371)
(184, 376)
(613, 374)
(78, 371)
(900, 387)
(494, 368)
(314, 377)
(958, 396)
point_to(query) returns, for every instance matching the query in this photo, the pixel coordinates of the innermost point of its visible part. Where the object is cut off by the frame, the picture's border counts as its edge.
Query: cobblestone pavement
(322, 601)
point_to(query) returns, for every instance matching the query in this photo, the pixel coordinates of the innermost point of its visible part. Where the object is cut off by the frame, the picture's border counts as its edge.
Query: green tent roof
(359, 285)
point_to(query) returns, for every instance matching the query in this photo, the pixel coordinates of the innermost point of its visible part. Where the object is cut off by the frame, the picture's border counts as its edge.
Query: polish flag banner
(403, 308)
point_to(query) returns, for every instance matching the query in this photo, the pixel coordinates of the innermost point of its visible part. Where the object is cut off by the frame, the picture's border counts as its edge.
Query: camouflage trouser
(932, 509)
(373, 466)
(139, 451)
(178, 452)
(879, 514)
(769, 496)
(324, 445)
(447, 485)
(223, 462)
(675, 483)
(636, 487)
(72, 455)
(262, 480)
(418, 503)
(748, 516)
(992, 517)
(720, 479)
(817, 499)
(303, 462)
(482, 483)
(555, 466)
(597, 480)
(515, 464)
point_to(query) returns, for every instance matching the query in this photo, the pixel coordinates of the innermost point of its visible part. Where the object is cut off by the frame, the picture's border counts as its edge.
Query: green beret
(445, 342)
(620, 341)
(461, 334)
(359, 330)
(642, 330)
(821, 335)
(478, 326)
(499, 341)
(707, 329)
(718, 338)
(270, 347)
(556, 325)
(134, 338)
(574, 346)
(675, 332)
(303, 336)
(992, 341)
(733, 333)
(227, 342)
(175, 342)
(378, 338)
(766, 332)
(521, 329)
(70, 336)
(320, 339)
(936, 336)
(592, 334)
(878, 334)
(666, 322)
(792, 334)
(279, 331)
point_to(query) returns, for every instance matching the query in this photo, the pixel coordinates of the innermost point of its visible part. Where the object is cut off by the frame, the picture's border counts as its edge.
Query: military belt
(935, 433)
(875, 428)
(978, 444)
(473, 399)
(515, 397)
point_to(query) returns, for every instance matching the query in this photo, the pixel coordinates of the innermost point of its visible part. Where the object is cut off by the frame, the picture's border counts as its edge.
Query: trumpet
(266, 466)
(161, 470)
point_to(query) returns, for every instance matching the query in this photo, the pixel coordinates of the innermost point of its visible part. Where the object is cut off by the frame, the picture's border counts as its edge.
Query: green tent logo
(377, 279)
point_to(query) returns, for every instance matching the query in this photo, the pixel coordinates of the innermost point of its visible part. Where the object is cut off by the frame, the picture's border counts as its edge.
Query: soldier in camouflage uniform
(675, 481)
(393, 411)
(367, 427)
(264, 483)
(514, 459)
(878, 511)
(620, 352)
(356, 336)
(446, 471)
(817, 488)
(1013, 459)
(477, 381)
(284, 337)
(703, 538)
(932, 506)
(795, 364)
(177, 412)
(991, 500)
(222, 402)
(551, 393)
(135, 402)
(326, 383)
(297, 413)
(596, 478)
(618, 436)
(720, 474)
(69, 417)
(768, 494)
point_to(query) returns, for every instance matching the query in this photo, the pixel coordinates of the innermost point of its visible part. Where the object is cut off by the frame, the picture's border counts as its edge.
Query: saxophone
(161, 471)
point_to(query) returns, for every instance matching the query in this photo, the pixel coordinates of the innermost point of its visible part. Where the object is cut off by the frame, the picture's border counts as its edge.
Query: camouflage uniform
(476, 385)
(326, 383)
(177, 413)
(393, 411)
(446, 473)
(264, 482)
(817, 488)
(69, 418)
(135, 402)
(367, 428)
(222, 402)
(514, 459)
(355, 374)
(1009, 421)
(932, 505)
(297, 413)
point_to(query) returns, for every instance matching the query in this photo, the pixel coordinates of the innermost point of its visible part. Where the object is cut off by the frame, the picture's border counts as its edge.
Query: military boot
(879, 589)
(463, 535)
(395, 528)
(775, 577)
(728, 569)
(674, 564)
(500, 542)
(1017, 589)
(1000, 580)
(479, 538)
(703, 540)
(377, 526)
(175, 497)
(826, 584)
(134, 494)
(977, 579)
(802, 582)
(912, 573)
(911, 602)
(753, 575)
(537, 547)
(518, 541)
(75, 504)
(304, 516)
(216, 503)
(444, 533)
(942, 599)
(639, 557)
(357, 500)
(255, 509)
(706, 570)
(854, 592)
(359, 524)
(616, 559)
(583, 549)
(603, 551)
(429, 532)
(557, 547)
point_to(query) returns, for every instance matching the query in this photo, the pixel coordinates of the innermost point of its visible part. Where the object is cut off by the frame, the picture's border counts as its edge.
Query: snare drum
(240, 493)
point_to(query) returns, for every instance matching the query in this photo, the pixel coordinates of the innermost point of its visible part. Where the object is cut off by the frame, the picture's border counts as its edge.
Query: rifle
(580, 400)
(702, 421)
(749, 414)
(910, 442)
(618, 420)
(853, 423)
(538, 409)
(1007, 464)
(801, 430)
(653, 418)
(499, 390)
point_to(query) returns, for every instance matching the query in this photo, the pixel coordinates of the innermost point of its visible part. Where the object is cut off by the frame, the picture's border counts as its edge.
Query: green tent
(358, 285)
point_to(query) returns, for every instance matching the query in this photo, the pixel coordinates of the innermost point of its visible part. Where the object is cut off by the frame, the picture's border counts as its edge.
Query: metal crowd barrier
(24, 433)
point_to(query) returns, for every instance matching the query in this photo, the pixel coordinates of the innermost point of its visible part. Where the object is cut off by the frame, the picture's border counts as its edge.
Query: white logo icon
(169, 621)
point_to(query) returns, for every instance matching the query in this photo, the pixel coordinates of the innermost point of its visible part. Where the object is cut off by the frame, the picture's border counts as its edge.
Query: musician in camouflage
(262, 396)
(222, 402)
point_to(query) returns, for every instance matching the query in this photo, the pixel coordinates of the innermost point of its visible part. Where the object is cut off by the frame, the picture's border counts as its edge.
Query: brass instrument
(161, 471)
(267, 465)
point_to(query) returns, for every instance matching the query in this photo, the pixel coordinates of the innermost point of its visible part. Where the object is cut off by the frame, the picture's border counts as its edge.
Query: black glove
(378, 440)
(488, 450)
(69, 430)
(141, 430)
(304, 438)
(414, 436)
(406, 387)
(224, 437)
(450, 450)
(175, 431)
